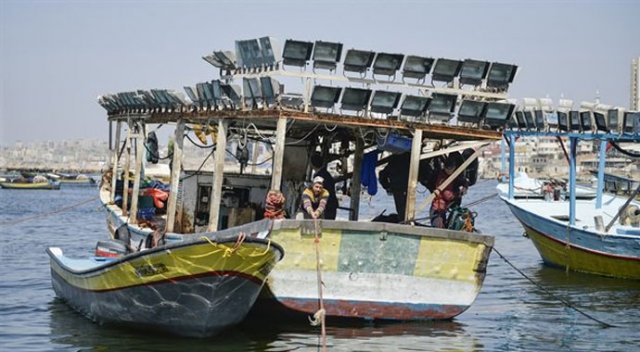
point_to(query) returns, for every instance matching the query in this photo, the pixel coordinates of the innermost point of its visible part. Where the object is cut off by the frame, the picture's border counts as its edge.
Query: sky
(57, 57)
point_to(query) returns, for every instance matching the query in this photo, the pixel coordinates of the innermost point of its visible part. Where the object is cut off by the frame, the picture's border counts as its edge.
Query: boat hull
(376, 271)
(579, 250)
(193, 289)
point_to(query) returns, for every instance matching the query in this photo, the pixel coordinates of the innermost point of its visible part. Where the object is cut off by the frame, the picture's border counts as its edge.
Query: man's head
(318, 182)
(450, 165)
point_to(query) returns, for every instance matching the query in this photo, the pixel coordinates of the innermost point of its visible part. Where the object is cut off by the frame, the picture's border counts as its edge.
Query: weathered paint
(374, 271)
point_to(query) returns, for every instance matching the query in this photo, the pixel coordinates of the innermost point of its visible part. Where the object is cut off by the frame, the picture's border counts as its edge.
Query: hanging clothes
(368, 172)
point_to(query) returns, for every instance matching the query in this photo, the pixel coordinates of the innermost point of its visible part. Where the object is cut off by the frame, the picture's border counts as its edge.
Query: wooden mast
(416, 149)
(114, 170)
(137, 173)
(278, 154)
(176, 167)
(218, 176)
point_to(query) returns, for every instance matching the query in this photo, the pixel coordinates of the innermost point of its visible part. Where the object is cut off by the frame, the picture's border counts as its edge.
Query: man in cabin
(394, 178)
(449, 195)
(314, 199)
(329, 184)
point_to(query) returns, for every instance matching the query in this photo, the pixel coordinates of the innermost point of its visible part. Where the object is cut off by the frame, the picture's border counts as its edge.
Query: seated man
(317, 163)
(314, 199)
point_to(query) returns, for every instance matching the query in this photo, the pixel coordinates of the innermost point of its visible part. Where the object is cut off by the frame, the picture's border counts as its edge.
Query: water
(510, 313)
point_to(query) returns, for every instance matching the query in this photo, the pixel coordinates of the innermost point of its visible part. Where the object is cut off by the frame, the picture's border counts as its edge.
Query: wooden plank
(136, 174)
(127, 165)
(416, 150)
(176, 168)
(278, 154)
(114, 170)
(355, 180)
(218, 176)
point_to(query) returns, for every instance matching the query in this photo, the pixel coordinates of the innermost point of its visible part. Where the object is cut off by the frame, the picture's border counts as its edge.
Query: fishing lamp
(387, 64)
(601, 122)
(528, 118)
(296, 53)
(574, 121)
(252, 92)
(326, 55)
(613, 119)
(539, 118)
(254, 53)
(358, 60)
(512, 124)
(585, 121)
(208, 94)
(218, 93)
(202, 98)
(414, 105)
(442, 106)
(232, 91)
(520, 121)
(325, 97)
(417, 67)
(473, 72)
(270, 90)
(497, 114)
(446, 70)
(222, 59)
(632, 122)
(563, 124)
(163, 101)
(384, 102)
(501, 75)
(177, 97)
(471, 111)
(355, 99)
(193, 97)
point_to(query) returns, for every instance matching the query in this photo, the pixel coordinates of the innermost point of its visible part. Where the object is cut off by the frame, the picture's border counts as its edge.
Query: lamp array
(540, 115)
(142, 101)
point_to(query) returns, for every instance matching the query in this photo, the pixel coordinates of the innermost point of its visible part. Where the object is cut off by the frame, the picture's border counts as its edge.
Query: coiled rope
(563, 301)
(42, 215)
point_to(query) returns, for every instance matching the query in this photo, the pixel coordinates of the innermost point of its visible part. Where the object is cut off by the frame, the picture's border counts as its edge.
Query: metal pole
(572, 180)
(278, 154)
(218, 175)
(355, 180)
(416, 149)
(601, 163)
(176, 168)
(503, 159)
(512, 163)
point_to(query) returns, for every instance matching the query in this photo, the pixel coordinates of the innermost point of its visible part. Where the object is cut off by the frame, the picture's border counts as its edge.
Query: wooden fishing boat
(73, 179)
(351, 267)
(50, 185)
(193, 288)
(596, 236)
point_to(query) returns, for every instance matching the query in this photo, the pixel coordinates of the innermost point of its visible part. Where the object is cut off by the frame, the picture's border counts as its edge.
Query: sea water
(510, 313)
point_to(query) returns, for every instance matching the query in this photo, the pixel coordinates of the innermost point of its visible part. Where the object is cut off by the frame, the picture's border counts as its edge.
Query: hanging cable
(564, 302)
(625, 152)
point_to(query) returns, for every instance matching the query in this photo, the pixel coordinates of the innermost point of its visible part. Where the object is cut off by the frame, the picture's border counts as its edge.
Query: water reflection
(74, 331)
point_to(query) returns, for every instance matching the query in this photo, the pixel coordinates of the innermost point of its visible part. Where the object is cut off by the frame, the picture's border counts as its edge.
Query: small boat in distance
(31, 183)
(72, 179)
(195, 288)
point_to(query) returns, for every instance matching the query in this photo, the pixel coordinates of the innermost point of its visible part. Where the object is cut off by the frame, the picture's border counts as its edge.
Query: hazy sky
(56, 57)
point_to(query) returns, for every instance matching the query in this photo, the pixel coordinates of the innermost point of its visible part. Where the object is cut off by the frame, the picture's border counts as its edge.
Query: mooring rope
(319, 316)
(42, 215)
(551, 294)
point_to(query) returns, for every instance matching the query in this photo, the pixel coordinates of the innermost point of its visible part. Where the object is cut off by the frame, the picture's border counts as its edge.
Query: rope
(17, 221)
(319, 316)
(564, 302)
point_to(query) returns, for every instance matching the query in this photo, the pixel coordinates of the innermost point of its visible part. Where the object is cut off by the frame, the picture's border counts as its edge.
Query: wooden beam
(136, 174)
(127, 165)
(416, 150)
(218, 176)
(355, 180)
(114, 169)
(278, 154)
(176, 168)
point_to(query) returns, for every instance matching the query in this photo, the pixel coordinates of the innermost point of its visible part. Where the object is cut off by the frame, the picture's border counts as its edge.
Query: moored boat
(33, 184)
(599, 235)
(359, 268)
(194, 288)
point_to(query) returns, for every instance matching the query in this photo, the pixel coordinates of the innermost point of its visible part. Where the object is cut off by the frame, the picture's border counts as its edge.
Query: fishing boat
(72, 179)
(35, 183)
(596, 236)
(535, 188)
(194, 288)
(350, 267)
